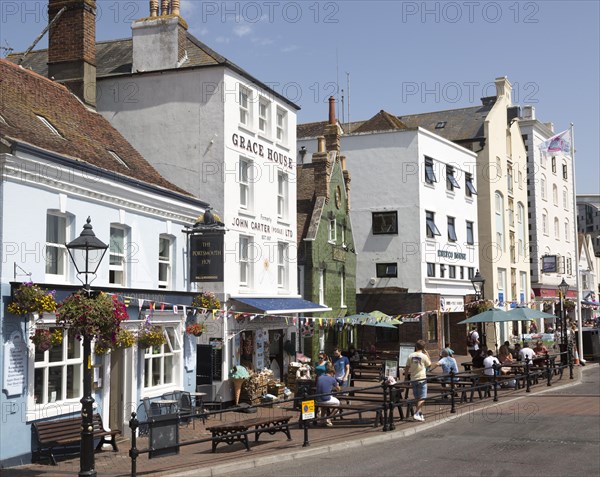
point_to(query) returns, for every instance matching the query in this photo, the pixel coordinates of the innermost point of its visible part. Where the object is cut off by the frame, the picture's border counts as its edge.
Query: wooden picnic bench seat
(64, 432)
(357, 408)
(238, 431)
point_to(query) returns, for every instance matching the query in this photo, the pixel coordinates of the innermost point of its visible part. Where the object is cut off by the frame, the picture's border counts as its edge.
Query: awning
(276, 306)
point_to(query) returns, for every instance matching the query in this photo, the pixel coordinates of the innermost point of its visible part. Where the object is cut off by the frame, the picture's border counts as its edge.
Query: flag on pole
(557, 144)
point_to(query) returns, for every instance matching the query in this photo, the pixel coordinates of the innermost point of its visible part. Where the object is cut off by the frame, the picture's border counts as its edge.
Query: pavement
(198, 460)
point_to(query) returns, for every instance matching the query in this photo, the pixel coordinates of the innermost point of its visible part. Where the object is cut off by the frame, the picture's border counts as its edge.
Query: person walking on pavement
(416, 370)
(473, 342)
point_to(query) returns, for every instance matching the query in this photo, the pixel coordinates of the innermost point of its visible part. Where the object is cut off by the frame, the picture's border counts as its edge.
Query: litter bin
(591, 343)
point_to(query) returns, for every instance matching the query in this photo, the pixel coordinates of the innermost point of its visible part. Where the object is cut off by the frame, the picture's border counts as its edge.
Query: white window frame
(282, 265)
(470, 233)
(59, 246)
(332, 231)
(430, 177)
(40, 407)
(245, 244)
(509, 178)
(246, 183)
(567, 234)
(122, 268)
(451, 182)
(555, 194)
(565, 198)
(545, 225)
(282, 195)
(469, 186)
(264, 116)
(321, 286)
(282, 125)
(343, 290)
(556, 228)
(245, 102)
(173, 349)
(499, 211)
(165, 261)
(543, 187)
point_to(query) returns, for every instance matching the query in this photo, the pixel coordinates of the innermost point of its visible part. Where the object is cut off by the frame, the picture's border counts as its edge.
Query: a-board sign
(391, 368)
(308, 410)
(405, 350)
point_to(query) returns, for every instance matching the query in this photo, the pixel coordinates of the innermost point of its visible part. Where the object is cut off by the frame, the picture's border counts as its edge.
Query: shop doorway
(276, 352)
(117, 390)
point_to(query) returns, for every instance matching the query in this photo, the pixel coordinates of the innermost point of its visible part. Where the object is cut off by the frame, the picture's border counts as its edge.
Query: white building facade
(552, 215)
(414, 213)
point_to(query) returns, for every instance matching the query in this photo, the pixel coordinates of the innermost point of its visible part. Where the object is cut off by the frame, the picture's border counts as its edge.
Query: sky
(405, 57)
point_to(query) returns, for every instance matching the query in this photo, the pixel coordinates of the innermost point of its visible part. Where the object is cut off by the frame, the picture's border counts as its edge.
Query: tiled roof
(85, 135)
(382, 121)
(462, 124)
(114, 57)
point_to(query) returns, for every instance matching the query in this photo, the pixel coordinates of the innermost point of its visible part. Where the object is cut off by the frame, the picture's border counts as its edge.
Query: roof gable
(382, 121)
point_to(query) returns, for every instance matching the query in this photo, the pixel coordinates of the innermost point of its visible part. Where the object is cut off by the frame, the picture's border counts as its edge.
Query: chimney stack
(159, 41)
(332, 130)
(72, 47)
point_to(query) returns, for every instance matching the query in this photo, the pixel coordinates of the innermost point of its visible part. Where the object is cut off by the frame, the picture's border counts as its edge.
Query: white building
(216, 131)
(414, 211)
(552, 214)
(61, 163)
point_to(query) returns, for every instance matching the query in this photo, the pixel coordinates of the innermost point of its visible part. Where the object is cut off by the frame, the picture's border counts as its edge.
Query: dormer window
(451, 182)
(117, 158)
(440, 125)
(48, 124)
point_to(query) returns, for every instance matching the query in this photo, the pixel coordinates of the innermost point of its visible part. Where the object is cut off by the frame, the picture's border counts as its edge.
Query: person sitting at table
(505, 357)
(448, 365)
(508, 347)
(449, 349)
(354, 358)
(479, 357)
(326, 384)
(526, 354)
(540, 349)
(516, 351)
(489, 362)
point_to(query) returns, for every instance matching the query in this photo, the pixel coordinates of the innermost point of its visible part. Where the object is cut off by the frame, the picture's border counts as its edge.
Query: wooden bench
(238, 431)
(356, 408)
(64, 432)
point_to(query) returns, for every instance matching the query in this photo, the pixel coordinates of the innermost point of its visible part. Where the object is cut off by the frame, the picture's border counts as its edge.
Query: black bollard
(305, 423)
(528, 389)
(133, 452)
(496, 369)
(548, 371)
(452, 389)
(570, 358)
(386, 424)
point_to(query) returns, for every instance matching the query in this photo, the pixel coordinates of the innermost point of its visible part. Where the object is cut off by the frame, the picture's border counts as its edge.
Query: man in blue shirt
(326, 384)
(341, 364)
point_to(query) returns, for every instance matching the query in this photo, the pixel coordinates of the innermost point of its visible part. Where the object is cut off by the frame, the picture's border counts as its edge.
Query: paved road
(556, 433)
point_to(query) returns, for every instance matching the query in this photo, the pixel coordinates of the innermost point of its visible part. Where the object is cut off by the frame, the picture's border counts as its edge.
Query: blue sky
(405, 57)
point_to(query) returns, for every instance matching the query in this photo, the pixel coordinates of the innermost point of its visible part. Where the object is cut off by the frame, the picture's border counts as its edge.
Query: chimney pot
(321, 144)
(332, 119)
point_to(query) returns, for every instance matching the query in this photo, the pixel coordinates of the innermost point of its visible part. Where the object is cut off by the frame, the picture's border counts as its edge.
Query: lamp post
(80, 251)
(563, 288)
(478, 283)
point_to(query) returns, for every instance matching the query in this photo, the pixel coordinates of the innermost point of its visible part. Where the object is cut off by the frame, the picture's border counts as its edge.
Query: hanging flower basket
(43, 339)
(151, 336)
(207, 300)
(30, 298)
(95, 317)
(125, 339)
(195, 329)
(476, 307)
(569, 305)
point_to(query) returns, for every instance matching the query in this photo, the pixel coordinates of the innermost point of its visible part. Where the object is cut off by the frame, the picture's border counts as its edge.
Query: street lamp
(84, 251)
(478, 282)
(563, 288)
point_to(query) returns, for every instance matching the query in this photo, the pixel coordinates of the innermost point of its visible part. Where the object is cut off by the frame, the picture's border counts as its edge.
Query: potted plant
(43, 339)
(30, 298)
(206, 300)
(96, 317)
(151, 336)
(195, 329)
(476, 307)
(125, 339)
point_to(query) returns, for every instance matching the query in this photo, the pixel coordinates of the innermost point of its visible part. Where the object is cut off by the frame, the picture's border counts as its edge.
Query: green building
(326, 255)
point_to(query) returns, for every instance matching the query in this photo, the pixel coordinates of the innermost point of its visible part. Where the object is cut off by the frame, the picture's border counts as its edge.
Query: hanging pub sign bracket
(206, 239)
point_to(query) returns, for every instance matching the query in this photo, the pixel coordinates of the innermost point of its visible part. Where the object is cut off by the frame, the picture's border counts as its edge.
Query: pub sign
(206, 259)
